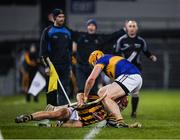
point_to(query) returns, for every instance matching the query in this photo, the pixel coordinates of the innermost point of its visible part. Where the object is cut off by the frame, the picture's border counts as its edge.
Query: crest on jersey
(125, 46)
(137, 45)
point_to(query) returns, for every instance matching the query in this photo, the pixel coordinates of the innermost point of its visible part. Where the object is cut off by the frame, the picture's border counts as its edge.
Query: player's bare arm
(91, 80)
(73, 124)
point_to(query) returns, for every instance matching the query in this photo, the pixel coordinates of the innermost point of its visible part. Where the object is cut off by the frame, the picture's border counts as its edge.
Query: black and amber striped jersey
(93, 113)
(96, 112)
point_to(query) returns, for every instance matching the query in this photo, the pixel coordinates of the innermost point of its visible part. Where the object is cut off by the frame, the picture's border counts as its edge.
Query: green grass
(159, 113)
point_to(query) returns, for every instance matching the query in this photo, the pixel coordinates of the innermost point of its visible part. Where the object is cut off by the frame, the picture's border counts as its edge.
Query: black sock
(30, 117)
(134, 103)
(27, 118)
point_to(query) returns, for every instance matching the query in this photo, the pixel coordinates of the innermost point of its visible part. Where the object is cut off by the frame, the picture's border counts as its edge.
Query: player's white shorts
(74, 114)
(131, 84)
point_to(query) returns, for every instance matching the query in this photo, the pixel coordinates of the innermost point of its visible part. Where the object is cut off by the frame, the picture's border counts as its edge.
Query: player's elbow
(78, 124)
(73, 124)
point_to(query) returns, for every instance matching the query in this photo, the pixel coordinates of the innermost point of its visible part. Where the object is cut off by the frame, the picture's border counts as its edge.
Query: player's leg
(113, 92)
(51, 97)
(111, 120)
(60, 114)
(135, 94)
(128, 84)
(134, 104)
(64, 75)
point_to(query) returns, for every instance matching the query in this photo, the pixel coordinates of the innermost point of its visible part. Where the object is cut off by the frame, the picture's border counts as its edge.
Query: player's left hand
(153, 58)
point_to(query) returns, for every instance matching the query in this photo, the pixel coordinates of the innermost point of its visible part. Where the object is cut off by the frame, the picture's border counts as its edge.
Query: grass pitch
(159, 113)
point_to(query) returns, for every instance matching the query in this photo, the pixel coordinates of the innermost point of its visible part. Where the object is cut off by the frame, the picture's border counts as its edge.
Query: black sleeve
(75, 34)
(108, 40)
(113, 36)
(117, 47)
(43, 52)
(145, 48)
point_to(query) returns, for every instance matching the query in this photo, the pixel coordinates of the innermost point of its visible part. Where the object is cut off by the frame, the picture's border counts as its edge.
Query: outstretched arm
(108, 40)
(91, 80)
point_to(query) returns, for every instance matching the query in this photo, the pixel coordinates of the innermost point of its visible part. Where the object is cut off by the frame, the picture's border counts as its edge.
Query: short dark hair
(56, 12)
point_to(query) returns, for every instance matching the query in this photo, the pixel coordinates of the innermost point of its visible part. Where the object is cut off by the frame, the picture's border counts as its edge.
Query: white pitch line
(93, 132)
(1, 137)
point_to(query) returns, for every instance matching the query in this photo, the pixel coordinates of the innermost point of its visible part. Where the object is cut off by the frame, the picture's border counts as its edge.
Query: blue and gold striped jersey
(114, 66)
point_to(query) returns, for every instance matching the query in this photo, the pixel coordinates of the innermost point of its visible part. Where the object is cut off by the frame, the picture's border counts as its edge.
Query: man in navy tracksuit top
(56, 43)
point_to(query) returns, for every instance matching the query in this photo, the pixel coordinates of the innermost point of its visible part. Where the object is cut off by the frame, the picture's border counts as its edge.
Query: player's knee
(63, 114)
(58, 114)
(101, 92)
(52, 114)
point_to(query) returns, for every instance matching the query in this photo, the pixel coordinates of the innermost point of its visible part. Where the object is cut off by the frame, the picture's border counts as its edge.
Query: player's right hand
(153, 58)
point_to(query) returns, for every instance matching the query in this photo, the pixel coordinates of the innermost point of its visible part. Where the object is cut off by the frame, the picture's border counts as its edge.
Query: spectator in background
(56, 43)
(130, 46)
(28, 69)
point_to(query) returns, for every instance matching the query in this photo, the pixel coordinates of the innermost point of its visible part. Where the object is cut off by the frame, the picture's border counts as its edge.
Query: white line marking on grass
(1, 137)
(93, 132)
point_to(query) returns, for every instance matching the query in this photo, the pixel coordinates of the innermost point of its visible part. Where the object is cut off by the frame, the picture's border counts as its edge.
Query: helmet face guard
(95, 56)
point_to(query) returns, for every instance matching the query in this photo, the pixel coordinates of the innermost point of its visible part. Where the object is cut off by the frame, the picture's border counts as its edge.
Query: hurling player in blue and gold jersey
(127, 80)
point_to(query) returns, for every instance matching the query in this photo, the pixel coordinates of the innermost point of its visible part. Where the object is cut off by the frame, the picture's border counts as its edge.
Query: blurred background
(22, 22)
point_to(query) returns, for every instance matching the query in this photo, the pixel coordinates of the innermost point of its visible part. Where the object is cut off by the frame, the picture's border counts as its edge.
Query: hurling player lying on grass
(76, 116)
